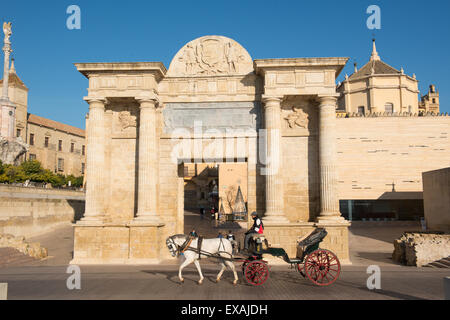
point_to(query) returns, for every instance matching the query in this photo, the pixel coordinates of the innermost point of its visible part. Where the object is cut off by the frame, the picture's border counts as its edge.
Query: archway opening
(216, 198)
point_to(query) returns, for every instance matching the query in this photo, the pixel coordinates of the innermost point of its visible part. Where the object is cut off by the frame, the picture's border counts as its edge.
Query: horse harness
(187, 246)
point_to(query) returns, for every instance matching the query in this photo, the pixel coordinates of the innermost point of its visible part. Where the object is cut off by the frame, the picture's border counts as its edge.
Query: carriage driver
(257, 228)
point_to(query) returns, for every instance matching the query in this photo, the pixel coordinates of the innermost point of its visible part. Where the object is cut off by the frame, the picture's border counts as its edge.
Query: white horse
(217, 247)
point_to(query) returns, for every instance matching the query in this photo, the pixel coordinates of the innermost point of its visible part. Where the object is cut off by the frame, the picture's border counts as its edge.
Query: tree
(231, 197)
(32, 170)
(31, 167)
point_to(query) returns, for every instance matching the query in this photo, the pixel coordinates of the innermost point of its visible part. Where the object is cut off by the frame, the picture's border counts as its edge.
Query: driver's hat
(254, 214)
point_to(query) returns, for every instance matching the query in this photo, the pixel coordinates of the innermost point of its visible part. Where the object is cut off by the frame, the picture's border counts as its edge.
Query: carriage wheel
(244, 266)
(256, 273)
(299, 268)
(322, 267)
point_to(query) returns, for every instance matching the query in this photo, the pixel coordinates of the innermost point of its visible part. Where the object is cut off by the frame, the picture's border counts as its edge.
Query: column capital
(144, 100)
(328, 99)
(96, 101)
(271, 99)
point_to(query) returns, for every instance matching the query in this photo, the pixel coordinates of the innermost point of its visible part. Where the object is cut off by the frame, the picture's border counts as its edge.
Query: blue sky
(414, 34)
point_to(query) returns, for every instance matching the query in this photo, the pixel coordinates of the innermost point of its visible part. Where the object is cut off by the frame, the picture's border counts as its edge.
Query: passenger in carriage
(257, 228)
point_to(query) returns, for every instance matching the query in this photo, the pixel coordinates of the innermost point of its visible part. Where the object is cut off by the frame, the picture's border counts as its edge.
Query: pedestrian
(212, 211)
(220, 236)
(230, 236)
(232, 239)
(202, 213)
(193, 234)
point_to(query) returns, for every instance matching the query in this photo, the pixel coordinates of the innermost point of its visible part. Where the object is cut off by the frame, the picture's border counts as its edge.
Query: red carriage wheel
(322, 267)
(256, 273)
(244, 266)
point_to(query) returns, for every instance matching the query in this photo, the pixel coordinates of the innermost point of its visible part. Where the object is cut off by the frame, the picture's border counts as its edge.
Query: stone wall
(31, 211)
(436, 198)
(420, 249)
(383, 157)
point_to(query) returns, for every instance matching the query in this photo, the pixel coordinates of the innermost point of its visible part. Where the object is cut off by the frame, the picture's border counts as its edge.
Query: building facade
(378, 88)
(213, 104)
(277, 116)
(59, 147)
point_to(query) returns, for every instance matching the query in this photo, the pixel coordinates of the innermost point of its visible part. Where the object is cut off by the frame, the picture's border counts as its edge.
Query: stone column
(8, 109)
(95, 161)
(273, 170)
(329, 200)
(148, 162)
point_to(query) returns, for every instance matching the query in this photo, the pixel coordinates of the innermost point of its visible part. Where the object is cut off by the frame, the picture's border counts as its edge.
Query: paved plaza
(161, 283)
(368, 246)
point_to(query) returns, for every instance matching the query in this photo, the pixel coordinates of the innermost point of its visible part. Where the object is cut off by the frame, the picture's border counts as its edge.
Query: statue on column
(11, 148)
(7, 26)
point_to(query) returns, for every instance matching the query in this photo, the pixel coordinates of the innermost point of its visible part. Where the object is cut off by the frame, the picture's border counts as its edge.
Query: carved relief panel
(125, 121)
(299, 117)
(210, 56)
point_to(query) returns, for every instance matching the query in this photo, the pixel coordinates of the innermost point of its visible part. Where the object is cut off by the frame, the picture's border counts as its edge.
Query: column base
(90, 220)
(147, 220)
(332, 219)
(119, 244)
(274, 219)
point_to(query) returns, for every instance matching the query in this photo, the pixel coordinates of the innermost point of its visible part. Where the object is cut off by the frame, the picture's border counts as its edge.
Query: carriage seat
(260, 242)
(256, 237)
(310, 243)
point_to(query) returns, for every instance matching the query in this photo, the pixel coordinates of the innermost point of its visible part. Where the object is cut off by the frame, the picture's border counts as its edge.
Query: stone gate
(213, 104)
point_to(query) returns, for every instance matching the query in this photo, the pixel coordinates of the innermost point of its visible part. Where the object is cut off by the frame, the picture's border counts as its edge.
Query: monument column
(274, 180)
(148, 162)
(95, 161)
(7, 119)
(329, 200)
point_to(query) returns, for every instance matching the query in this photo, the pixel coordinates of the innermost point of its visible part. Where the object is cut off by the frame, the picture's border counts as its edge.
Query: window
(72, 147)
(18, 133)
(60, 164)
(60, 145)
(434, 100)
(32, 157)
(83, 150)
(389, 107)
(82, 168)
(46, 142)
(361, 110)
(31, 139)
(409, 109)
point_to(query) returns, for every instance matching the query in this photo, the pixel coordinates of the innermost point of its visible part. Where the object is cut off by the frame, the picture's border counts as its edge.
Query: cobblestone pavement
(161, 283)
(47, 279)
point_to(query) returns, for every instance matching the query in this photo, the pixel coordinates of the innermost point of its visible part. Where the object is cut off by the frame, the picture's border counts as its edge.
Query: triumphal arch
(214, 103)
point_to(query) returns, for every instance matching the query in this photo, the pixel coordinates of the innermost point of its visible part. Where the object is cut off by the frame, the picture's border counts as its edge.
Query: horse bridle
(178, 249)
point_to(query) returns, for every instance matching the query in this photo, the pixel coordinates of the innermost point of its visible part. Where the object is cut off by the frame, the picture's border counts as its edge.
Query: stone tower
(18, 95)
(11, 148)
(430, 101)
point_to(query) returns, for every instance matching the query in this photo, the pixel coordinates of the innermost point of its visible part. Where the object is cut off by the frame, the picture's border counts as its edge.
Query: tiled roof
(378, 66)
(14, 80)
(32, 118)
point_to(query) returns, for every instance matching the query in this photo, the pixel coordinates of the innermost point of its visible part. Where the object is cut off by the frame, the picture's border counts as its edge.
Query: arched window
(389, 107)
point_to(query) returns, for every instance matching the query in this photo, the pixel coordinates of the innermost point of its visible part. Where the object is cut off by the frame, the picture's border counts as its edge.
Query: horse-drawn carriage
(320, 266)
